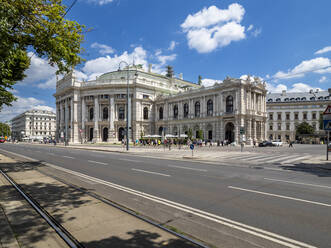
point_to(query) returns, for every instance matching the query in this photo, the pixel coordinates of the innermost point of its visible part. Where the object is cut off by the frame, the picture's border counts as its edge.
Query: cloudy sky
(285, 42)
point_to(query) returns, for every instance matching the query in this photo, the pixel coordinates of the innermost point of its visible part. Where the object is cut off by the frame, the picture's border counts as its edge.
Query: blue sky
(285, 42)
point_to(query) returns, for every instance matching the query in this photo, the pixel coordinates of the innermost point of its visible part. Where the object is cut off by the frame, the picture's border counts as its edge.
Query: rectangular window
(287, 127)
(305, 116)
(145, 96)
(270, 127)
(279, 126)
(314, 116)
(287, 116)
(296, 116)
(279, 117)
(270, 116)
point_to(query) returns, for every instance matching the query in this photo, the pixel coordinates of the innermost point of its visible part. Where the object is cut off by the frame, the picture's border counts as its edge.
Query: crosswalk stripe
(286, 157)
(299, 158)
(262, 157)
(277, 157)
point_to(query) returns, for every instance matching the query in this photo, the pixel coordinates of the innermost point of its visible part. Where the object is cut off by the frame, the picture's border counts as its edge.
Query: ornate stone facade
(96, 110)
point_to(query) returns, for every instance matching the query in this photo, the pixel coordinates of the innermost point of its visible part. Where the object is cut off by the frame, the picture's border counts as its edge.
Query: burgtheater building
(95, 110)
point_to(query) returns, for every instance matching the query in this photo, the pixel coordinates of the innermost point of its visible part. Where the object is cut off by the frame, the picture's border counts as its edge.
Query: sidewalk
(90, 221)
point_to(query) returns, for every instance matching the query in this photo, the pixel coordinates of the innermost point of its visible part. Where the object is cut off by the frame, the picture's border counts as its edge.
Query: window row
(296, 116)
(210, 108)
(299, 99)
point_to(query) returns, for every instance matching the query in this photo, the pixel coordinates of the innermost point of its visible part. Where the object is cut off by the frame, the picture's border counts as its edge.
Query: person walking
(290, 144)
(254, 143)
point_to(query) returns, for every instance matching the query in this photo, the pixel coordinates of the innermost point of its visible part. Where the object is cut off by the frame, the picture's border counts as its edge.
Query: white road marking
(91, 161)
(68, 157)
(130, 160)
(288, 242)
(151, 172)
(186, 168)
(284, 158)
(293, 160)
(308, 184)
(281, 196)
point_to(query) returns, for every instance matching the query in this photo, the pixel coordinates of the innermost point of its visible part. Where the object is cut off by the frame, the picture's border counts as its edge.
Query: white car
(277, 143)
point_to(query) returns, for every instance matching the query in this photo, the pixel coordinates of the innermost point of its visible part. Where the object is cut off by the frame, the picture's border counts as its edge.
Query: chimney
(311, 91)
(181, 76)
(283, 92)
(150, 68)
(317, 90)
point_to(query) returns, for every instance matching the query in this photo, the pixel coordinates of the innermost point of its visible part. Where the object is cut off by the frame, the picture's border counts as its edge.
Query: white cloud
(252, 77)
(49, 84)
(297, 87)
(206, 82)
(317, 65)
(172, 45)
(276, 88)
(166, 58)
(100, 2)
(22, 104)
(250, 27)
(212, 28)
(103, 49)
(322, 79)
(39, 70)
(324, 50)
(257, 32)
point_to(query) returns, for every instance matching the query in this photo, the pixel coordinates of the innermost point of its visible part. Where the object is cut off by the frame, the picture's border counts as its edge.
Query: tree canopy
(38, 26)
(304, 128)
(4, 129)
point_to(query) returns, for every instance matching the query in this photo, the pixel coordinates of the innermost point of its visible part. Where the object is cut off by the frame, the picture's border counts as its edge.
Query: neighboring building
(34, 124)
(96, 110)
(287, 109)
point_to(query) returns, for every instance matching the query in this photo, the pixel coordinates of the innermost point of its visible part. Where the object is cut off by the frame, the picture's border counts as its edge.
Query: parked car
(266, 143)
(277, 142)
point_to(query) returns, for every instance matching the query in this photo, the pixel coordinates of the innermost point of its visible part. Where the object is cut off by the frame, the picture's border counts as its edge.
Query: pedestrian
(254, 143)
(290, 144)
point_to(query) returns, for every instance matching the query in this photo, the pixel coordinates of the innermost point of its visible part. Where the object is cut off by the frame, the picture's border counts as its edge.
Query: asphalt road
(294, 204)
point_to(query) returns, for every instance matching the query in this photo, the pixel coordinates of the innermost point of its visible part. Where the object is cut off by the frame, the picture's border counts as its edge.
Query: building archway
(160, 130)
(121, 133)
(105, 134)
(229, 132)
(91, 134)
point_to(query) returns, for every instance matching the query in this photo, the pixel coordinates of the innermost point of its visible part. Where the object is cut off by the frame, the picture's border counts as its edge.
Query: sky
(287, 43)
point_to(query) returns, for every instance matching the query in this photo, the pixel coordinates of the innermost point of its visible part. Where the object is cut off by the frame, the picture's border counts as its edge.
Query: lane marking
(151, 172)
(68, 157)
(281, 196)
(285, 157)
(130, 160)
(91, 161)
(288, 242)
(308, 184)
(186, 168)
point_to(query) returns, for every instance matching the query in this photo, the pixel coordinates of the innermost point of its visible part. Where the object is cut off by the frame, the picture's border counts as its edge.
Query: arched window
(209, 107)
(145, 113)
(161, 113)
(270, 100)
(185, 110)
(197, 109)
(91, 116)
(229, 104)
(105, 113)
(121, 113)
(175, 111)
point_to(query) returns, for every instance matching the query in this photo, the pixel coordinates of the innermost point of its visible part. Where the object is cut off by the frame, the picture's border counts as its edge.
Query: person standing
(254, 143)
(290, 144)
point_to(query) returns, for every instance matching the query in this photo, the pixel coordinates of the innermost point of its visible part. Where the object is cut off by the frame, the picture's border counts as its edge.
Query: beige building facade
(95, 111)
(288, 109)
(34, 124)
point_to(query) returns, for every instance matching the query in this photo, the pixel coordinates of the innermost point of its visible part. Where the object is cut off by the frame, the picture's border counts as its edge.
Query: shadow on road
(315, 169)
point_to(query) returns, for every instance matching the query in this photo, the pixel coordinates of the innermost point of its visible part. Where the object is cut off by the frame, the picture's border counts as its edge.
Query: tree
(199, 80)
(190, 133)
(304, 128)
(200, 134)
(4, 129)
(37, 26)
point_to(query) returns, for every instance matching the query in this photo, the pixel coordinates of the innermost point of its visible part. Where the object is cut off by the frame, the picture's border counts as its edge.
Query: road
(288, 203)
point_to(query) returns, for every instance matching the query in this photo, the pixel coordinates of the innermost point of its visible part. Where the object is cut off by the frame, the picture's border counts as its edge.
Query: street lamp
(127, 103)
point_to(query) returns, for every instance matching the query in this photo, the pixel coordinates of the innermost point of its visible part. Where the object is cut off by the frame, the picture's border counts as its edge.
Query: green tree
(4, 129)
(304, 128)
(199, 80)
(200, 134)
(38, 26)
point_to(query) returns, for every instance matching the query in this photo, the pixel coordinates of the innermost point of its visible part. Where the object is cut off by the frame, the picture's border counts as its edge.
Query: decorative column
(249, 132)
(111, 132)
(66, 119)
(83, 136)
(254, 129)
(74, 119)
(96, 137)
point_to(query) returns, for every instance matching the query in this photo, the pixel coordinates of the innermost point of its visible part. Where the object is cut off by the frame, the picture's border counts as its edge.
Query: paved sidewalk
(90, 221)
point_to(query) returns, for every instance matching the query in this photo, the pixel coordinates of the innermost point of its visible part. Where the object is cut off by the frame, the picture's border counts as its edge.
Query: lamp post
(127, 104)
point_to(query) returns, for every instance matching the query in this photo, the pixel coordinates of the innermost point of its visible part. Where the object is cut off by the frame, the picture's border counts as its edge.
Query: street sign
(327, 119)
(191, 146)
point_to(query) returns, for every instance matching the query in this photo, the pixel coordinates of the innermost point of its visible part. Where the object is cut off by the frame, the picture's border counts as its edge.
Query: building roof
(318, 95)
